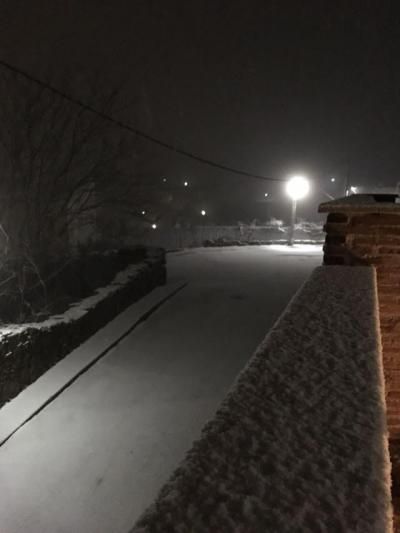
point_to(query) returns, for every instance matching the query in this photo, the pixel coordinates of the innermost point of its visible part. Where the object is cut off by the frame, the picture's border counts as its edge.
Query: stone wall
(27, 351)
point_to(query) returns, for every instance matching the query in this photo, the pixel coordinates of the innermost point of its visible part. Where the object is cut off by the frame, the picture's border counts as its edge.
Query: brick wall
(297, 444)
(361, 231)
(374, 238)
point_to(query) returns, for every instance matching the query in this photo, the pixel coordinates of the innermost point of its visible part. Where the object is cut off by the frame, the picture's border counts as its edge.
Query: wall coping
(363, 203)
(300, 442)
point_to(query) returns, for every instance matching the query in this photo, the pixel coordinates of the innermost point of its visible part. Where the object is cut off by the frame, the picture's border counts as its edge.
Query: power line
(129, 128)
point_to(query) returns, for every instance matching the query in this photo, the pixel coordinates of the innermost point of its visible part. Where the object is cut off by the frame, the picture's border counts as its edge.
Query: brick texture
(374, 238)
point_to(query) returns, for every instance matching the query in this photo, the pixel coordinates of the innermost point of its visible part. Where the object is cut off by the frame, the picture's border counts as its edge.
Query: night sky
(271, 87)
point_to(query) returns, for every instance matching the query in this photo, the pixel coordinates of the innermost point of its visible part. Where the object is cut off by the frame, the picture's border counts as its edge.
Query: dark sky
(272, 87)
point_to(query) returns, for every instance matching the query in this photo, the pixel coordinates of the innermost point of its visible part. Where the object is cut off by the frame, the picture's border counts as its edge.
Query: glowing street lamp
(296, 188)
(143, 212)
(154, 226)
(185, 183)
(203, 213)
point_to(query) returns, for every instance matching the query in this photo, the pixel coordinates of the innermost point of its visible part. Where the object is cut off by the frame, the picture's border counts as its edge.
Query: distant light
(164, 180)
(203, 213)
(353, 190)
(143, 212)
(333, 180)
(185, 184)
(297, 187)
(265, 194)
(154, 226)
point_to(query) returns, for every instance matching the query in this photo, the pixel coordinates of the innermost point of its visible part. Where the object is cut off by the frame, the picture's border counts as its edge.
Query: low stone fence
(300, 443)
(28, 350)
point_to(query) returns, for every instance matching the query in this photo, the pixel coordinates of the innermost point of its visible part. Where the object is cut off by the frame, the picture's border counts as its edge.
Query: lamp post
(296, 188)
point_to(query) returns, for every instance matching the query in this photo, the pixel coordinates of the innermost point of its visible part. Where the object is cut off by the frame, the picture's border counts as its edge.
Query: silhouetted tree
(61, 166)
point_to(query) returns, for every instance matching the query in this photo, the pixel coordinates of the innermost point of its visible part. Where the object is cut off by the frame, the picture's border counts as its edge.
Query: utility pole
(347, 181)
(292, 223)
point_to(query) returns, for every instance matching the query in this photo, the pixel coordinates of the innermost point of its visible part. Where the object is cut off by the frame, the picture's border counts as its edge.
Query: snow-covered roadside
(300, 442)
(28, 350)
(31, 400)
(81, 308)
(76, 310)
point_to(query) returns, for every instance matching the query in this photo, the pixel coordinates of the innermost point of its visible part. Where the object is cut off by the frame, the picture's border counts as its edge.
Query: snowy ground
(94, 459)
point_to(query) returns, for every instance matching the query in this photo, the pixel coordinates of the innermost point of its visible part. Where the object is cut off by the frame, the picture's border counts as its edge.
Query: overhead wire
(131, 129)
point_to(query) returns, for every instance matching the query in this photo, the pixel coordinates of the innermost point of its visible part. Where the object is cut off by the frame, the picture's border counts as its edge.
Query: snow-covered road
(95, 457)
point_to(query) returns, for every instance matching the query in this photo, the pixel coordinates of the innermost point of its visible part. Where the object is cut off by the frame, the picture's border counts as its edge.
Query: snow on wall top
(300, 442)
(78, 309)
(387, 203)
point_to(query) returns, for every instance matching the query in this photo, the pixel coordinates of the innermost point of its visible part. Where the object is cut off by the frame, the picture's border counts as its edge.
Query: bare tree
(60, 165)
